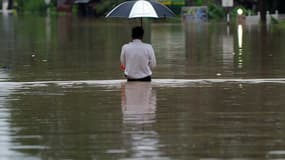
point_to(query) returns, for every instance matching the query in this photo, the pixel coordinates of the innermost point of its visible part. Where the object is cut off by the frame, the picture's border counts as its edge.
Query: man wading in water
(137, 58)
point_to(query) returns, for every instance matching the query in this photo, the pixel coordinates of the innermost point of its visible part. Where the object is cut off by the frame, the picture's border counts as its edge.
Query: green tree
(30, 5)
(104, 6)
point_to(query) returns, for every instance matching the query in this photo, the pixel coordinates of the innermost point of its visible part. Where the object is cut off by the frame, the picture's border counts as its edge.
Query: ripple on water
(155, 82)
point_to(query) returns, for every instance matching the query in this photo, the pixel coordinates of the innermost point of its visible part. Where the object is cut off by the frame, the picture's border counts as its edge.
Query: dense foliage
(24, 6)
(100, 7)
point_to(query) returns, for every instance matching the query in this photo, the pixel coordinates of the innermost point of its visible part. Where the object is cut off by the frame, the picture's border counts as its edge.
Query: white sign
(228, 3)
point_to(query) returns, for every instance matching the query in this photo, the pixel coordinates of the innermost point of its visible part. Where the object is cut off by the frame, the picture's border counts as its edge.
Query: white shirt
(138, 58)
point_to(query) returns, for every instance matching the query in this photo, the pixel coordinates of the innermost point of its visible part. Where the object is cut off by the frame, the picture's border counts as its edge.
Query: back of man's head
(137, 33)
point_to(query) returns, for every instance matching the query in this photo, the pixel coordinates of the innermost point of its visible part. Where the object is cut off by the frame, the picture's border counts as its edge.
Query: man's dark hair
(137, 33)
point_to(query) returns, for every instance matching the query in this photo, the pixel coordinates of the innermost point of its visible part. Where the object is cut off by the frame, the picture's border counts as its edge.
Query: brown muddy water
(217, 93)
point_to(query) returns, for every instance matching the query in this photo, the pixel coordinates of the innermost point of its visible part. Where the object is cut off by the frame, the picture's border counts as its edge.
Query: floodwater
(217, 93)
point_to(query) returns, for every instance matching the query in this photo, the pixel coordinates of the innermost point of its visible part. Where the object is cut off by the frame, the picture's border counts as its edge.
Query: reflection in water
(228, 50)
(6, 131)
(64, 27)
(196, 34)
(48, 30)
(138, 102)
(240, 35)
(7, 37)
(240, 46)
(139, 107)
(4, 116)
(7, 44)
(209, 50)
(3, 75)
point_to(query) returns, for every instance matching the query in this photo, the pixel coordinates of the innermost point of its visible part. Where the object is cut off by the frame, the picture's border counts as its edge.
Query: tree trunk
(262, 9)
(10, 4)
(189, 2)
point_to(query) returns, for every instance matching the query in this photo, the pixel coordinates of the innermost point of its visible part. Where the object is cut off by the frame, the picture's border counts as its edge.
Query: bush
(30, 5)
(106, 5)
(34, 6)
(216, 12)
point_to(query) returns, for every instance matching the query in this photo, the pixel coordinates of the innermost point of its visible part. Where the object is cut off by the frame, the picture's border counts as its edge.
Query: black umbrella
(140, 9)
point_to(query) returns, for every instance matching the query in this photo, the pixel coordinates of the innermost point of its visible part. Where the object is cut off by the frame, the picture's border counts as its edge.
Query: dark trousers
(145, 79)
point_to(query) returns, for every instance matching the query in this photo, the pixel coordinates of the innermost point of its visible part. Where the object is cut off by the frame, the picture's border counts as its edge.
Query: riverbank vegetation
(101, 7)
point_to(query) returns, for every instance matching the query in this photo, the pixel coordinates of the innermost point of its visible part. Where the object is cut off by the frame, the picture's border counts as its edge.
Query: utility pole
(228, 4)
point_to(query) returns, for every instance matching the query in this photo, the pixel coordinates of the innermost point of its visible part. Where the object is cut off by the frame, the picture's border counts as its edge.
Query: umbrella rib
(164, 7)
(115, 9)
(126, 10)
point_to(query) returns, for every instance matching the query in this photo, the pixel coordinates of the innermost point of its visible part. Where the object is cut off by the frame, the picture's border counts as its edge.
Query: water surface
(217, 92)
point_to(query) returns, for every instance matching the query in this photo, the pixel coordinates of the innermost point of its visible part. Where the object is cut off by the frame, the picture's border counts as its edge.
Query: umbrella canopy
(140, 9)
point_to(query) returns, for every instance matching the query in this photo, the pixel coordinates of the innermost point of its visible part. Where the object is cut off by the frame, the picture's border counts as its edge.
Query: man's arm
(122, 58)
(152, 61)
